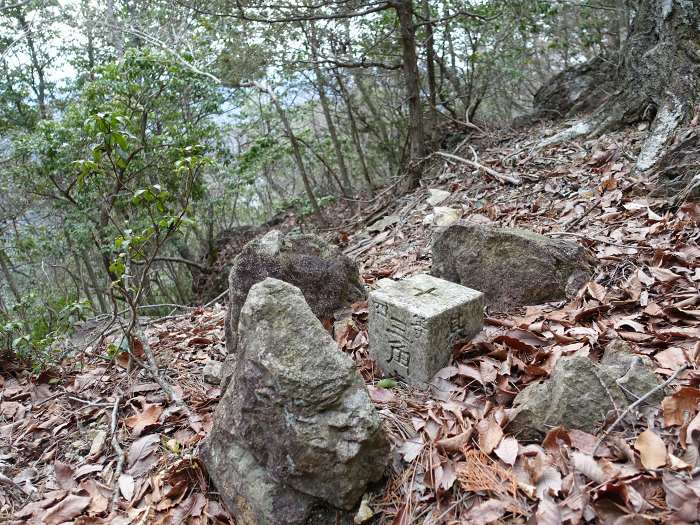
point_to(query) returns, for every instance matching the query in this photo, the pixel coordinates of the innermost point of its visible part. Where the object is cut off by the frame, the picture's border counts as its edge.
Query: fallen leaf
(652, 449)
(490, 434)
(147, 417)
(69, 508)
(140, 457)
(411, 449)
(507, 451)
(454, 443)
(126, 486)
(681, 406)
(487, 512)
(98, 443)
(548, 512)
(64, 475)
(588, 466)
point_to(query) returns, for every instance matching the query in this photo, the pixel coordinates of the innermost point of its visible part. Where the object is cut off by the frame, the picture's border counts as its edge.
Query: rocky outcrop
(328, 279)
(295, 431)
(512, 267)
(580, 393)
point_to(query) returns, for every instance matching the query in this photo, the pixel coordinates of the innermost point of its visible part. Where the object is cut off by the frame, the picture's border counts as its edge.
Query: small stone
(444, 216)
(414, 324)
(580, 393)
(437, 196)
(364, 513)
(212, 372)
(512, 267)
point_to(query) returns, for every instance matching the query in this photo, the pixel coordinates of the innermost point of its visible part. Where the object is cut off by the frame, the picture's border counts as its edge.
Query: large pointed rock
(512, 267)
(328, 279)
(298, 406)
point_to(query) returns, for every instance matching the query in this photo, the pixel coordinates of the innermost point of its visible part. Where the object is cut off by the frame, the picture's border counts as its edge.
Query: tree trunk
(404, 10)
(430, 69)
(347, 99)
(655, 77)
(7, 273)
(296, 151)
(95, 283)
(325, 106)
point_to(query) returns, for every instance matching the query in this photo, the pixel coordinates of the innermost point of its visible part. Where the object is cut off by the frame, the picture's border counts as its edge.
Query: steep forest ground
(58, 429)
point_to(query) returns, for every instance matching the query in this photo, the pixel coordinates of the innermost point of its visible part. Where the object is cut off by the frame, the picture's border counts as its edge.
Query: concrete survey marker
(414, 324)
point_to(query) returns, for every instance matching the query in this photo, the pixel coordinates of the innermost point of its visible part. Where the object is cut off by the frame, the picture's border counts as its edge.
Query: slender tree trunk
(347, 99)
(115, 30)
(95, 283)
(38, 68)
(296, 151)
(325, 106)
(7, 273)
(378, 126)
(404, 10)
(84, 286)
(430, 70)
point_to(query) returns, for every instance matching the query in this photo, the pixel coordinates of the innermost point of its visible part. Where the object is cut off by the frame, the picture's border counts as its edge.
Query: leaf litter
(454, 460)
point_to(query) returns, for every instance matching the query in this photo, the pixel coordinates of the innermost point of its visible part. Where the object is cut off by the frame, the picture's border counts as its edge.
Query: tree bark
(7, 273)
(655, 77)
(296, 151)
(95, 284)
(347, 99)
(416, 133)
(430, 70)
(346, 188)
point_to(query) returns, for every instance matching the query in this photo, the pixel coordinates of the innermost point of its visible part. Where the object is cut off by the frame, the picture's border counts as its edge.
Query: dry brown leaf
(140, 455)
(411, 449)
(652, 449)
(64, 475)
(147, 417)
(681, 406)
(490, 434)
(69, 508)
(455, 443)
(588, 466)
(98, 443)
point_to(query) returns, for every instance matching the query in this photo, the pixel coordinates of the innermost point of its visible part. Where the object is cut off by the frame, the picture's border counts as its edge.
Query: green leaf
(387, 383)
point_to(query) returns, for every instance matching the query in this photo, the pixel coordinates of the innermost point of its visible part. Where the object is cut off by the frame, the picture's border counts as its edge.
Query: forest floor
(453, 462)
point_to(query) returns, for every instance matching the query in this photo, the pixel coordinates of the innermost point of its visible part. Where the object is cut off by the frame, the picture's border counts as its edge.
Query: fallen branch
(636, 404)
(502, 177)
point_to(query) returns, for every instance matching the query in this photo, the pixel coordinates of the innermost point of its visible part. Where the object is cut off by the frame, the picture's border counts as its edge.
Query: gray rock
(246, 488)
(328, 279)
(415, 323)
(512, 267)
(580, 393)
(212, 372)
(297, 404)
(253, 496)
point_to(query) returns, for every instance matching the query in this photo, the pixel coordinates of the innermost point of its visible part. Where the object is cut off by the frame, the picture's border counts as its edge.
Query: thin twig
(637, 403)
(118, 450)
(216, 299)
